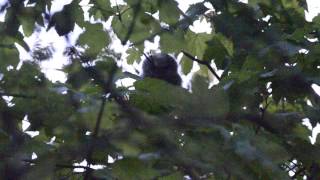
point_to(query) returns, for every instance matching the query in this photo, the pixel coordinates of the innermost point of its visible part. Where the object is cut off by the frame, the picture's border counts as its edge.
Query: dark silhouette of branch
(10, 46)
(16, 95)
(119, 13)
(300, 172)
(107, 90)
(206, 63)
(71, 166)
(31, 161)
(131, 75)
(314, 170)
(124, 11)
(133, 22)
(185, 16)
(107, 86)
(263, 111)
(88, 172)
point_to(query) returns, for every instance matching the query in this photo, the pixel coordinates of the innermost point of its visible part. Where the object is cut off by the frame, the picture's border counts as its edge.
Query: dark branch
(107, 89)
(206, 63)
(31, 161)
(133, 22)
(16, 95)
(95, 134)
(118, 12)
(71, 166)
(9, 46)
(300, 172)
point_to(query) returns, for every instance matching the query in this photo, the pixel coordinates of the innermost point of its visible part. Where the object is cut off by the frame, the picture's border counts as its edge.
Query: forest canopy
(241, 116)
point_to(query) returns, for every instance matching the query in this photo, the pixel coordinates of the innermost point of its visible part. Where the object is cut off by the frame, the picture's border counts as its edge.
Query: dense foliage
(246, 126)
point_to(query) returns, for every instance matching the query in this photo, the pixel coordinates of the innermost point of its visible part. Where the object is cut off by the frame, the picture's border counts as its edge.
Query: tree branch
(107, 89)
(9, 46)
(16, 95)
(133, 22)
(31, 161)
(206, 63)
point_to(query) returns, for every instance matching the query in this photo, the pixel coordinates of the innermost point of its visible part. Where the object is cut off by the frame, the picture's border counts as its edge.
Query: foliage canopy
(247, 126)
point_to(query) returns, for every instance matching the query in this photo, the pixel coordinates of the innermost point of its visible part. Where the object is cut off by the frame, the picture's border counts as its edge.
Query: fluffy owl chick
(161, 66)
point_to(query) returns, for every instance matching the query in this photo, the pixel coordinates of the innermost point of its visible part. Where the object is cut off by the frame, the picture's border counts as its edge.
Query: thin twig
(186, 17)
(9, 46)
(206, 63)
(118, 12)
(16, 95)
(147, 57)
(299, 172)
(87, 174)
(124, 11)
(263, 111)
(31, 161)
(71, 166)
(108, 87)
(133, 22)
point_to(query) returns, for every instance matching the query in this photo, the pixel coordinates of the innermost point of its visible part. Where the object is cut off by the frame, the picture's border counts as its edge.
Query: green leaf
(130, 168)
(128, 149)
(173, 176)
(186, 64)
(43, 169)
(64, 21)
(196, 43)
(101, 9)
(196, 10)
(27, 20)
(134, 55)
(136, 30)
(8, 56)
(156, 96)
(95, 38)
(172, 41)
(219, 48)
(302, 132)
(168, 11)
(206, 102)
(111, 116)
(19, 38)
